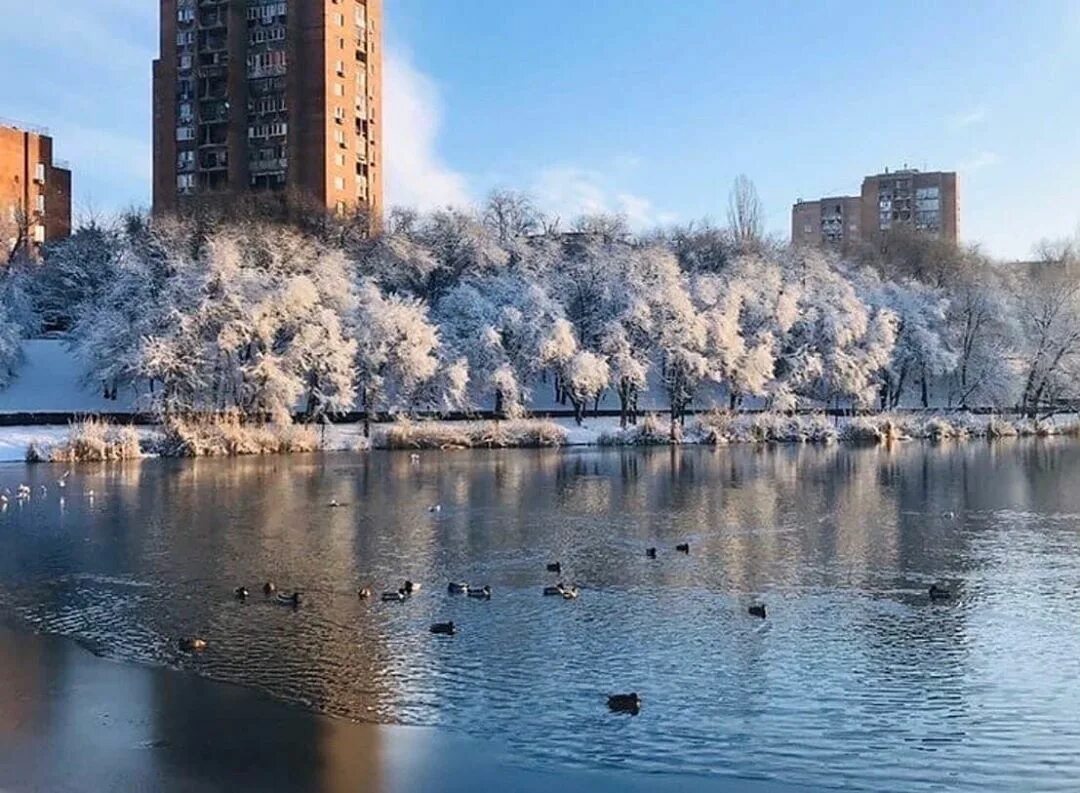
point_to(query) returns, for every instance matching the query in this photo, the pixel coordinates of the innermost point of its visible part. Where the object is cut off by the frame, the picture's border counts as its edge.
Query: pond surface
(854, 680)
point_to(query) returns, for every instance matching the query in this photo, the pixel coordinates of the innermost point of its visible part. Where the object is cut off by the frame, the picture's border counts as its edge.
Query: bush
(227, 435)
(90, 441)
(513, 434)
(654, 430)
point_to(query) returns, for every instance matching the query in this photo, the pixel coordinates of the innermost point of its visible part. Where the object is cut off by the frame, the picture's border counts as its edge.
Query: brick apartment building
(35, 190)
(926, 201)
(269, 95)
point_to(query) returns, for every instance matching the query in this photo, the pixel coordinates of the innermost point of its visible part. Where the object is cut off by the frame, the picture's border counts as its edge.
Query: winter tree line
(270, 316)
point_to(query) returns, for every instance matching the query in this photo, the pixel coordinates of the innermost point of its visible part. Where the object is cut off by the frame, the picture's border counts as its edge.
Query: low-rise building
(35, 189)
(926, 201)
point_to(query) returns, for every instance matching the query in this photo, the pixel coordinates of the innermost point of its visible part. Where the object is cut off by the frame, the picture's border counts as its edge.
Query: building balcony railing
(275, 70)
(262, 166)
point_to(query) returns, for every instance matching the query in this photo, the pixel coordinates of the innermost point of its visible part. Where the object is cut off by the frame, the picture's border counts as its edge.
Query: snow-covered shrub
(514, 434)
(91, 441)
(406, 434)
(517, 434)
(939, 429)
(651, 430)
(227, 435)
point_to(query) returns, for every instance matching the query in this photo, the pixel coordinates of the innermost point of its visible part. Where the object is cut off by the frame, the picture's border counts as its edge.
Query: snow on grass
(48, 381)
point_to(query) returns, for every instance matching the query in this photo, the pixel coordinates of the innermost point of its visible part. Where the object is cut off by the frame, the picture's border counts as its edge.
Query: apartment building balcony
(274, 70)
(267, 166)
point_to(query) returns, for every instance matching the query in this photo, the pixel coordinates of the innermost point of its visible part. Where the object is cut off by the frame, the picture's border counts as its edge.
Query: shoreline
(72, 722)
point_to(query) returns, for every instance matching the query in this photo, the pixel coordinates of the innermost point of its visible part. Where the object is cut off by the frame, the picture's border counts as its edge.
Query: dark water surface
(855, 679)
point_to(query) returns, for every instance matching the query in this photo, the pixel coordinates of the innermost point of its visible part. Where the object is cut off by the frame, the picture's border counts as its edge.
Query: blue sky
(637, 106)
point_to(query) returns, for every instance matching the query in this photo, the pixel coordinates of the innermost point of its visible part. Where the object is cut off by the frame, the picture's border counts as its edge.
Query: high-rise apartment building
(926, 201)
(35, 190)
(269, 95)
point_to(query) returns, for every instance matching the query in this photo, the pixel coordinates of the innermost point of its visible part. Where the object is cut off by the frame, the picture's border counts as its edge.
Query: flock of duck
(619, 703)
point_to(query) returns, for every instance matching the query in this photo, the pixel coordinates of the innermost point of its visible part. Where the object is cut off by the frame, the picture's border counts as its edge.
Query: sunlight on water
(854, 679)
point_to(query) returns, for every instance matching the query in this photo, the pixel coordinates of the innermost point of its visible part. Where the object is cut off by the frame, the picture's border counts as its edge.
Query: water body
(855, 680)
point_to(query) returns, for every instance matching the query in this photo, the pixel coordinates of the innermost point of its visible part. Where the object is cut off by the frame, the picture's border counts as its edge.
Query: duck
(443, 628)
(650, 553)
(939, 592)
(241, 593)
(414, 459)
(289, 600)
(457, 588)
(269, 588)
(683, 547)
(481, 593)
(3, 499)
(364, 593)
(410, 588)
(554, 591)
(335, 504)
(757, 610)
(554, 567)
(44, 491)
(192, 644)
(625, 703)
(394, 597)
(435, 508)
(571, 593)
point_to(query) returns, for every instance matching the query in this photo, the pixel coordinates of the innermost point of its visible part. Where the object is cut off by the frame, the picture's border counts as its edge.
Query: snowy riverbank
(653, 430)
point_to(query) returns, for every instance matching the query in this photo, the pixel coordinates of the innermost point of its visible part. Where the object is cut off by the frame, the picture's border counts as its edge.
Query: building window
(41, 204)
(185, 181)
(39, 173)
(185, 133)
(339, 182)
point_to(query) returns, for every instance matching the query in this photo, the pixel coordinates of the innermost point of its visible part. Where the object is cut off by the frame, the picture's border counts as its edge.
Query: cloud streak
(970, 118)
(569, 191)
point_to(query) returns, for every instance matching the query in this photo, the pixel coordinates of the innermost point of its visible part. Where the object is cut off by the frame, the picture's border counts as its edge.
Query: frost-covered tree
(922, 353)
(983, 332)
(837, 345)
(10, 346)
(1048, 311)
(77, 271)
(396, 351)
(499, 323)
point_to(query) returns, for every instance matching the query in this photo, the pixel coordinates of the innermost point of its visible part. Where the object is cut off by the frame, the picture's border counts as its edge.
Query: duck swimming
(570, 593)
(480, 593)
(554, 591)
(940, 592)
(409, 588)
(364, 593)
(289, 600)
(269, 588)
(241, 593)
(192, 644)
(394, 597)
(757, 610)
(443, 628)
(554, 567)
(650, 553)
(457, 588)
(625, 703)
(683, 547)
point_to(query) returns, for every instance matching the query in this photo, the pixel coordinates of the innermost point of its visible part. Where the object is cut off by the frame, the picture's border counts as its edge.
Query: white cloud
(416, 175)
(569, 191)
(981, 160)
(968, 118)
